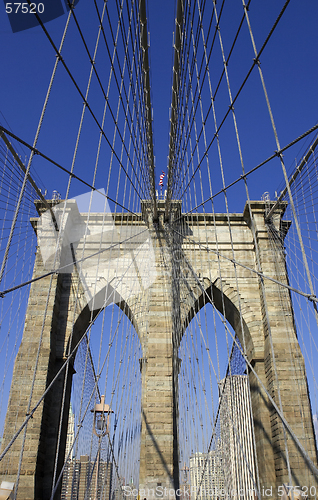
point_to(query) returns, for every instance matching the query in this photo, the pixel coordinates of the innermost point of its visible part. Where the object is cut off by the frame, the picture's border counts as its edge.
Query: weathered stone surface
(185, 277)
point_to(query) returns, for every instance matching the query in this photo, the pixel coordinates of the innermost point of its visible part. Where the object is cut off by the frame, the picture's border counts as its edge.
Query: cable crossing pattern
(159, 327)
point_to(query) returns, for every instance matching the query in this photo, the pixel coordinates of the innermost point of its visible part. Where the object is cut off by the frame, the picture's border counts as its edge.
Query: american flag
(161, 178)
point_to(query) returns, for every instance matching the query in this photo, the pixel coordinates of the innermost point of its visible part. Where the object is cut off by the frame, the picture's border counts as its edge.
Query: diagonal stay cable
(199, 88)
(58, 270)
(64, 365)
(243, 176)
(135, 66)
(310, 297)
(92, 61)
(311, 464)
(32, 182)
(254, 64)
(197, 98)
(60, 58)
(71, 174)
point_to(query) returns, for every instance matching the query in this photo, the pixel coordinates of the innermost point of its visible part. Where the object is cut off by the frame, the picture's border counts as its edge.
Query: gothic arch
(87, 316)
(228, 307)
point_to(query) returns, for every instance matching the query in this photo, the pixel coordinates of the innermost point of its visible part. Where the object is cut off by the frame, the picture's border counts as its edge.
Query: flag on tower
(161, 179)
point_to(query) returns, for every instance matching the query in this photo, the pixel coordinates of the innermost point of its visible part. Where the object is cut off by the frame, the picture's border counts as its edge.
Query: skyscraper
(236, 438)
(80, 481)
(70, 433)
(206, 475)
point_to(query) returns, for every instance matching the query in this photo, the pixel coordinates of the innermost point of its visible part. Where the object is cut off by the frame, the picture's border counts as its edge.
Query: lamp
(100, 428)
(101, 418)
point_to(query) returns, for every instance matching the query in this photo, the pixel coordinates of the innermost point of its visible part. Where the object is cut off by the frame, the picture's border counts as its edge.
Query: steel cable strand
(207, 59)
(73, 320)
(228, 351)
(119, 87)
(209, 356)
(255, 243)
(122, 154)
(96, 379)
(93, 69)
(147, 104)
(126, 374)
(42, 397)
(97, 454)
(245, 176)
(112, 72)
(94, 390)
(138, 79)
(88, 404)
(176, 98)
(71, 174)
(201, 377)
(281, 416)
(247, 76)
(205, 345)
(186, 89)
(137, 21)
(231, 239)
(144, 98)
(132, 394)
(122, 350)
(192, 397)
(187, 133)
(276, 243)
(282, 161)
(115, 119)
(75, 84)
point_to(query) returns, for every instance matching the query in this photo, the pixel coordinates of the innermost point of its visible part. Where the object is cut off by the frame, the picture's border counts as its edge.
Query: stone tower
(62, 305)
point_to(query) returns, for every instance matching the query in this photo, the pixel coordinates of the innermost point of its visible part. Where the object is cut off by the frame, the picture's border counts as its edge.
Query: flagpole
(161, 183)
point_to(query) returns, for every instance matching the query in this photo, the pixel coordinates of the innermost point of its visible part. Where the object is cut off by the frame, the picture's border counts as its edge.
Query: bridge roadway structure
(161, 267)
(160, 310)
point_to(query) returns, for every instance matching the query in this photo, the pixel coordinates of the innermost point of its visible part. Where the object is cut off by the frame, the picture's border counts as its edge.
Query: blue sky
(289, 63)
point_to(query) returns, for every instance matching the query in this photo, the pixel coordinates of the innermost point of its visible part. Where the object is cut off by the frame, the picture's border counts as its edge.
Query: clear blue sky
(289, 64)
